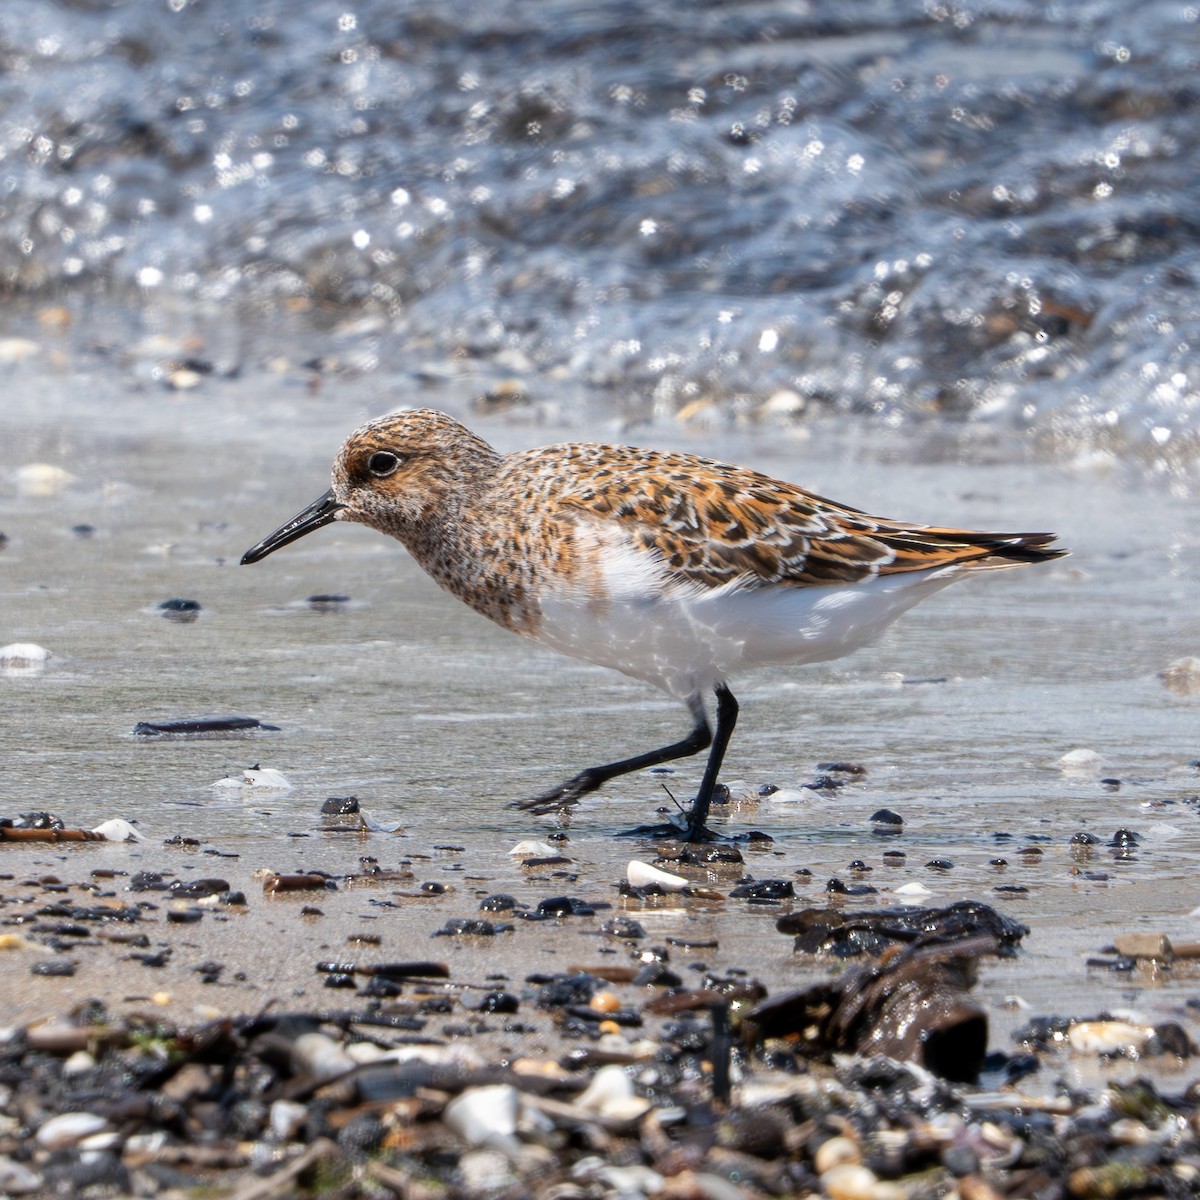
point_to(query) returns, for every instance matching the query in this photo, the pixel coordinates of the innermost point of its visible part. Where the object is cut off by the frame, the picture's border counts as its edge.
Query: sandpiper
(673, 569)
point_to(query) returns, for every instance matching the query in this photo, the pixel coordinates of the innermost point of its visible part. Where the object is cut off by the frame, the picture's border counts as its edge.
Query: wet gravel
(654, 1066)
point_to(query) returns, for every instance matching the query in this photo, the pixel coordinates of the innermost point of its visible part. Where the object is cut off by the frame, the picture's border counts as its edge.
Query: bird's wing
(711, 524)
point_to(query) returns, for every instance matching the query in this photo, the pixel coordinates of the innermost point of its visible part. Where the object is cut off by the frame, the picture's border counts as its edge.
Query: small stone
(836, 1152)
(1182, 676)
(1144, 945)
(849, 1181)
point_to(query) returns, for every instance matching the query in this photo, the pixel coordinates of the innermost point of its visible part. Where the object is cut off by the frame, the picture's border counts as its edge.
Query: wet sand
(959, 719)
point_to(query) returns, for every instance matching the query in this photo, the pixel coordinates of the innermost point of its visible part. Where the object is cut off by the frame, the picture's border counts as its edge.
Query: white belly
(684, 639)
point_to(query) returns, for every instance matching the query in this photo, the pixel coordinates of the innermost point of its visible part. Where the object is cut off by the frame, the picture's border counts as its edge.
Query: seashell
(486, 1116)
(41, 479)
(69, 1129)
(286, 1119)
(1081, 762)
(117, 829)
(609, 1084)
(319, 1055)
(642, 874)
(531, 849)
(16, 1179)
(23, 658)
(1108, 1037)
(1182, 676)
(80, 1063)
(849, 1181)
(912, 889)
(836, 1152)
(257, 777)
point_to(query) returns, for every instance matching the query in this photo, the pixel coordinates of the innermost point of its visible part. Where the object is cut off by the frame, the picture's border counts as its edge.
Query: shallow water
(902, 212)
(435, 719)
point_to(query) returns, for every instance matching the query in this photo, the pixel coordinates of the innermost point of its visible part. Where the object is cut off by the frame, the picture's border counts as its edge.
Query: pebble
(836, 1152)
(1182, 676)
(286, 1119)
(849, 1181)
(318, 1055)
(16, 1179)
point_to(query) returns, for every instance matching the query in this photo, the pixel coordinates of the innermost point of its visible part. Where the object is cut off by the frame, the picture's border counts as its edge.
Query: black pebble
(178, 605)
(655, 974)
(339, 806)
(884, 820)
(960, 1160)
(338, 980)
(764, 889)
(498, 902)
(565, 906)
(623, 928)
(499, 1002)
(193, 889)
(327, 601)
(199, 726)
(467, 927)
(56, 968)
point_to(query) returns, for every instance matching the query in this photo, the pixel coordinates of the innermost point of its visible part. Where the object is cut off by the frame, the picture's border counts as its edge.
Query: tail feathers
(919, 549)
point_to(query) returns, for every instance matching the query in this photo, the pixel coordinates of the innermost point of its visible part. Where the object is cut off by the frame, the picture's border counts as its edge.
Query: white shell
(912, 889)
(319, 1055)
(1108, 1037)
(485, 1116)
(848, 1182)
(608, 1085)
(257, 777)
(286, 1119)
(642, 874)
(530, 849)
(1081, 761)
(41, 479)
(68, 1129)
(23, 657)
(836, 1152)
(16, 1179)
(117, 829)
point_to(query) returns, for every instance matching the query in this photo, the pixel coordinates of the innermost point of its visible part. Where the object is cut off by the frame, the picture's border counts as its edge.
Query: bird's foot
(563, 796)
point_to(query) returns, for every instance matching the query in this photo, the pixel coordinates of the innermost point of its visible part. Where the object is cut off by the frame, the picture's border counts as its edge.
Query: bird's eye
(383, 463)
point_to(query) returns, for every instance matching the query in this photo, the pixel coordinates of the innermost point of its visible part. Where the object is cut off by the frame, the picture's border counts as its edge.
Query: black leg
(592, 778)
(727, 712)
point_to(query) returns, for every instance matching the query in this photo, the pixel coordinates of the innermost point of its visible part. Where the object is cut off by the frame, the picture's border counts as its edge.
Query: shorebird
(673, 569)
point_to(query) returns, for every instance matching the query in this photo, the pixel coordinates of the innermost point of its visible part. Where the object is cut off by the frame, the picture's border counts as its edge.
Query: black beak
(319, 513)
